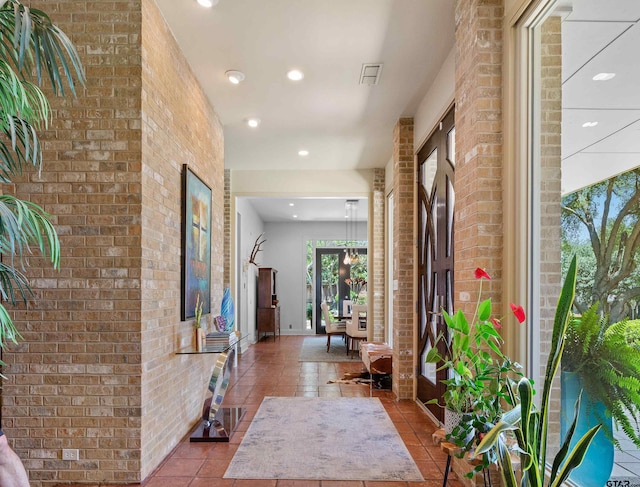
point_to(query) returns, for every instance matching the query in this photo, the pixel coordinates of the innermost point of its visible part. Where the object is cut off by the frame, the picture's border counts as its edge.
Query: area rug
(342, 438)
(314, 349)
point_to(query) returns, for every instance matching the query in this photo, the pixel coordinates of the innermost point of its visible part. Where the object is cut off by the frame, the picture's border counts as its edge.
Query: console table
(217, 423)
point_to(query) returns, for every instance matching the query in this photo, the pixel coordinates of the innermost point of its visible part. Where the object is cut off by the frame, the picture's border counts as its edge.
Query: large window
(578, 115)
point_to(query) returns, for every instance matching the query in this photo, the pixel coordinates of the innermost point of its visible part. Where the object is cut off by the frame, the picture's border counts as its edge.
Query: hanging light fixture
(354, 251)
(351, 213)
(346, 260)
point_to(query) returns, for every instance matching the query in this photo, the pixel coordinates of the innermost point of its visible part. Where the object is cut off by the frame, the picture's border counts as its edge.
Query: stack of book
(221, 340)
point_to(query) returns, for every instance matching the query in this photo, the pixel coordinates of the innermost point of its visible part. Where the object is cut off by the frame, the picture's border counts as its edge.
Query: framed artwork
(196, 244)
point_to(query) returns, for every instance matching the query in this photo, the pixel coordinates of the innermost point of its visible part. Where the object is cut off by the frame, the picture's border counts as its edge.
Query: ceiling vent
(370, 74)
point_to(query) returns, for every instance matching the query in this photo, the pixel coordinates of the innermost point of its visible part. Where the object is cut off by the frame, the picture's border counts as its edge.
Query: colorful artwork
(196, 244)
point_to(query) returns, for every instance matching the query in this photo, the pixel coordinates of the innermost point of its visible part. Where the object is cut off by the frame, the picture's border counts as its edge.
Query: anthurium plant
(478, 371)
(523, 429)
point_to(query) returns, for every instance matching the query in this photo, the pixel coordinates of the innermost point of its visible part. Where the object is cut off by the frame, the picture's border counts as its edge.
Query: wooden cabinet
(268, 315)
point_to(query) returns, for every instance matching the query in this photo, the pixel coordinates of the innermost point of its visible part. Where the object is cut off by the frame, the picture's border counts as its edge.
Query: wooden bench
(377, 358)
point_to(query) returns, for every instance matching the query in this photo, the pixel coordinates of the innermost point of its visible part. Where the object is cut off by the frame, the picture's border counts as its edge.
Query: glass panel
(434, 228)
(429, 369)
(451, 200)
(451, 147)
(428, 171)
(330, 274)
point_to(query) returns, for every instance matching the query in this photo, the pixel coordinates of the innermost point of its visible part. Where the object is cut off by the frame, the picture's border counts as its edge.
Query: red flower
(481, 274)
(518, 312)
(496, 323)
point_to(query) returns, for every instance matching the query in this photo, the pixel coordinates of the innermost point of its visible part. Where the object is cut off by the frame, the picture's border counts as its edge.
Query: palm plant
(32, 49)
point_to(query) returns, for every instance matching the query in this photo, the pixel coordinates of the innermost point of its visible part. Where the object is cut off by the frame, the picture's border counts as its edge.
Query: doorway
(436, 198)
(332, 281)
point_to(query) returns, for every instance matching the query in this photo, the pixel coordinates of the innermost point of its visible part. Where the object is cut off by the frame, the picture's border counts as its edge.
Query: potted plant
(524, 428)
(603, 360)
(478, 370)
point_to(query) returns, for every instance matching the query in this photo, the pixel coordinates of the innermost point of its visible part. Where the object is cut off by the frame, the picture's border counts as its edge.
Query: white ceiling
(600, 36)
(345, 125)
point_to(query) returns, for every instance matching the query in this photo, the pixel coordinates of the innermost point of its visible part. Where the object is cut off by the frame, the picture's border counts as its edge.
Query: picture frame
(196, 244)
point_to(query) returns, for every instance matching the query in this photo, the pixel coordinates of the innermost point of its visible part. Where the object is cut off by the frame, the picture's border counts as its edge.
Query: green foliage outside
(32, 50)
(601, 225)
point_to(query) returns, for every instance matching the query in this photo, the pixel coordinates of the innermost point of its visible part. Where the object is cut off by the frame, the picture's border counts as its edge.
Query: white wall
(251, 227)
(436, 102)
(285, 251)
(302, 183)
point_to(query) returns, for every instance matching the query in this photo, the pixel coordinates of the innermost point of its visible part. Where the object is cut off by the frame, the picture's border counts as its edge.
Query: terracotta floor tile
(272, 369)
(180, 467)
(298, 483)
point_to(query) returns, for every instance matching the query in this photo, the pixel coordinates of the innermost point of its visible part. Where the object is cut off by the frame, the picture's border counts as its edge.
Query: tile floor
(271, 368)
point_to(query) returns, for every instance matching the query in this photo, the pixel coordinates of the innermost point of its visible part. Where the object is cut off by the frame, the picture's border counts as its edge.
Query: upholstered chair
(356, 327)
(333, 327)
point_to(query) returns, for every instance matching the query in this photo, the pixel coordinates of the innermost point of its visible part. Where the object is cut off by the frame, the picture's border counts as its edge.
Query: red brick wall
(550, 199)
(377, 277)
(97, 370)
(404, 187)
(178, 126)
(478, 118)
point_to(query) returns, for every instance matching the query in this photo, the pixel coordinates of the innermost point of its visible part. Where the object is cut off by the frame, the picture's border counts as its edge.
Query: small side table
(217, 423)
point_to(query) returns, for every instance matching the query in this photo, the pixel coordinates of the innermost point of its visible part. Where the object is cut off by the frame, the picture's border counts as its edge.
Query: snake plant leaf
(561, 320)
(504, 461)
(576, 456)
(566, 443)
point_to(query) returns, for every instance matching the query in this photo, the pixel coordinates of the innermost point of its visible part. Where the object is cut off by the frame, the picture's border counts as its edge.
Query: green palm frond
(31, 46)
(23, 223)
(31, 42)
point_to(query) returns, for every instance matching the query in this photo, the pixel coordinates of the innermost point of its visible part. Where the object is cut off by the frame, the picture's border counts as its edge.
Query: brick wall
(478, 118)
(178, 126)
(97, 370)
(75, 380)
(377, 279)
(404, 188)
(550, 199)
(227, 228)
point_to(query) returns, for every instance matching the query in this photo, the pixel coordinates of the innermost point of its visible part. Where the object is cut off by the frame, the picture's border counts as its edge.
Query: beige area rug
(314, 349)
(343, 438)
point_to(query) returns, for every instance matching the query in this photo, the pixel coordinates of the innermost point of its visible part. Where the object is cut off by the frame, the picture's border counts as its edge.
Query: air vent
(370, 74)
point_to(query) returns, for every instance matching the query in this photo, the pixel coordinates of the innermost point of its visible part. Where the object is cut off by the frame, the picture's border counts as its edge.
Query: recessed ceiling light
(208, 3)
(292, 204)
(604, 76)
(234, 76)
(253, 122)
(295, 75)
(589, 124)
(295, 216)
(303, 153)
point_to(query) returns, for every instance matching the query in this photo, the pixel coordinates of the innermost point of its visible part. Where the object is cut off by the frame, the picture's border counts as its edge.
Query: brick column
(377, 279)
(227, 229)
(404, 186)
(550, 199)
(478, 232)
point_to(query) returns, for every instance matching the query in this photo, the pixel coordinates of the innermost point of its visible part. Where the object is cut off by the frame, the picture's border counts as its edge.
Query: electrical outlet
(70, 454)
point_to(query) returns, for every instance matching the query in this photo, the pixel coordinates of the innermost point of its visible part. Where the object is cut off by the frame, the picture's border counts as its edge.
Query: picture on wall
(196, 244)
